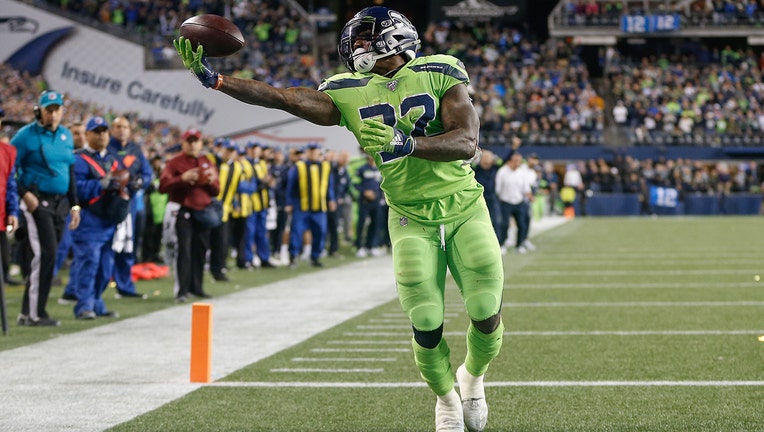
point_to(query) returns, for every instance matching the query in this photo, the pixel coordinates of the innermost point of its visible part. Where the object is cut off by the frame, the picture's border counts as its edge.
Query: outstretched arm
(309, 104)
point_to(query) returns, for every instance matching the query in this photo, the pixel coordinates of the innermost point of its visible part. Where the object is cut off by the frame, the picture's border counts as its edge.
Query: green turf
(602, 308)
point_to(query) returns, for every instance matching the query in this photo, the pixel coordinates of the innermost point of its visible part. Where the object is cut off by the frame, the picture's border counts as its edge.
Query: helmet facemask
(388, 32)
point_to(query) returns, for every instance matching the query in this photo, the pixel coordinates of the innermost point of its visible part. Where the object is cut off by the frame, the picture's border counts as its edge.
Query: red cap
(191, 133)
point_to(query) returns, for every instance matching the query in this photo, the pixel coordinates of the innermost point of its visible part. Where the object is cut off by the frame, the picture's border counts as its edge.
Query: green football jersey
(410, 101)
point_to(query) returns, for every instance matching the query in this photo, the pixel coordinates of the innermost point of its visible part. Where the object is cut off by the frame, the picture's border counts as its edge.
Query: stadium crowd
(696, 13)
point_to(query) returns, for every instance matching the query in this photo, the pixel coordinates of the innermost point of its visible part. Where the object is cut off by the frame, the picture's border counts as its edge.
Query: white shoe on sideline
(522, 250)
(378, 251)
(448, 413)
(473, 401)
(362, 253)
(528, 245)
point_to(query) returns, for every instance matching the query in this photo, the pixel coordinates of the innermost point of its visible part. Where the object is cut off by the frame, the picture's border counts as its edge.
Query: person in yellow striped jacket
(310, 193)
(230, 172)
(257, 233)
(241, 209)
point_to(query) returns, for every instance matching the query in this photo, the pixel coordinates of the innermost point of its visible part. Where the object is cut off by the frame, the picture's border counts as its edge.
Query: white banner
(96, 67)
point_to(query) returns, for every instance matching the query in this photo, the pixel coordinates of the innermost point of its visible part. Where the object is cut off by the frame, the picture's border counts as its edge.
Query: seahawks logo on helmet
(388, 32)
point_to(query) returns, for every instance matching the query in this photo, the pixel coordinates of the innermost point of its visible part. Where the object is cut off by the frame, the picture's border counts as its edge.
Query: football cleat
(473, 404)
(448, 413)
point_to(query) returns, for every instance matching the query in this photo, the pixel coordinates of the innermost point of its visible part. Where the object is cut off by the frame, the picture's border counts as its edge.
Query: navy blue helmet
(389, 32)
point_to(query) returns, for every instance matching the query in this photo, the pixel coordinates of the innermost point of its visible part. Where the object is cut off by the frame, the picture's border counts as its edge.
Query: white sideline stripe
(384, 327)
(495, 384)
(657, 261)
(706, 271)
(370, 342)
(319, 370)
(397, 321)
(634, 304)
(611, 285)
(343, 359)
(587, 333)
(327, 350)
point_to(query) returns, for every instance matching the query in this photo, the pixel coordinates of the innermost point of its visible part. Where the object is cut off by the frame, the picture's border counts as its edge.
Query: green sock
(434, 366)
(482, 348)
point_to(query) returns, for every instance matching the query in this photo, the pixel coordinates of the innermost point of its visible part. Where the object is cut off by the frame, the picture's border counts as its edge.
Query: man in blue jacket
(129, 153)
(92, 241)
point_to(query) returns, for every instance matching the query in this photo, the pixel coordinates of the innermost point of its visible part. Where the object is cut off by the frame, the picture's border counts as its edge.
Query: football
(219, 36)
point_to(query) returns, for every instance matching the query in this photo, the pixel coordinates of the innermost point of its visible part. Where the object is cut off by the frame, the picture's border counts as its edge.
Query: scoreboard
(650, 23)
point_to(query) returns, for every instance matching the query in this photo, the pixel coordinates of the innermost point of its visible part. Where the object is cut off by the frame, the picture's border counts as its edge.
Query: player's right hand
(196, 61)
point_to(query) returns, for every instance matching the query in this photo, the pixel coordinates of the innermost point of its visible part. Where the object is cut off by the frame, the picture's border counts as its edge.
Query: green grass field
(612, 324)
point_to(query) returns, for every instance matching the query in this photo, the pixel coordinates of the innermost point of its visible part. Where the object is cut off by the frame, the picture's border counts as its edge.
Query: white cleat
(473, 400)
(448, 413)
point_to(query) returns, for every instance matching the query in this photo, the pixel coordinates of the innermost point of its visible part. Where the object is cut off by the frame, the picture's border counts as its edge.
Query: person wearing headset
(44, 164)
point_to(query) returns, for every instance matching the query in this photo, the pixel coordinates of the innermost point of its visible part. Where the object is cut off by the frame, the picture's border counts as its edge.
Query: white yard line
(581, 333)
(271, 384)
(635, 304)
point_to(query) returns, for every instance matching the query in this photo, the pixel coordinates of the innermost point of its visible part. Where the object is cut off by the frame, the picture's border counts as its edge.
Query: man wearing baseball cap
(45, 167)
(105, 202)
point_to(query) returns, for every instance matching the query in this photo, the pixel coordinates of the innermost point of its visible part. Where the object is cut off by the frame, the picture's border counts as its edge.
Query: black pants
(277, 234)
(238, 231)
(43, 228)
(193, 243)
(5, 253)
(333, 240)
(152, 243)
(219, 247)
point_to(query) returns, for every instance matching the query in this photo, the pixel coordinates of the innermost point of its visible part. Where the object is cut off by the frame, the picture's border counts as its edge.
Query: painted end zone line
(497, 384)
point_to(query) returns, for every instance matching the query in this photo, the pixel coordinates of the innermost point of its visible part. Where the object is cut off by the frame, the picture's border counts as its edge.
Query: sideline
(99, 378)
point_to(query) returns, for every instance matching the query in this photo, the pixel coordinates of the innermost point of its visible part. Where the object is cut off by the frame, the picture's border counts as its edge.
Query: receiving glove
(196, 62)
(379, 137)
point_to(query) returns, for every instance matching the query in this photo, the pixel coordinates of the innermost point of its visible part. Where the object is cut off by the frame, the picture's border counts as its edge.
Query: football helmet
(388, 31)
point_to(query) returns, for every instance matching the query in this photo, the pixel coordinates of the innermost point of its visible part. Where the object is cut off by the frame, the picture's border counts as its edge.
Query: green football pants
(468, 247)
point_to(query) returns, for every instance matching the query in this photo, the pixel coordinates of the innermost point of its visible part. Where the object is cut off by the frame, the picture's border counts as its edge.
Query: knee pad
(428, 339)
(482, 304)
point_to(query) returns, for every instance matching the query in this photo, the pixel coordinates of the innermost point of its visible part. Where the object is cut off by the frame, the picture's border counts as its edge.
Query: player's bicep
(458, 113)
(312, 105)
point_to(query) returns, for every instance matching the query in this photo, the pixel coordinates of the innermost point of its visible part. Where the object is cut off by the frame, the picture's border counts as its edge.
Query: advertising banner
(109, 72)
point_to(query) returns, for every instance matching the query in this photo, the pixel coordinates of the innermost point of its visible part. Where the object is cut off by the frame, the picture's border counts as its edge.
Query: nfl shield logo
(392, 85)
(404, 221)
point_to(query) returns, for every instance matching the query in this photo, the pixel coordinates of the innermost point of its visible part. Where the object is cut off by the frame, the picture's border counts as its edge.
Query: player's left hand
(196, 61)
(379, 137)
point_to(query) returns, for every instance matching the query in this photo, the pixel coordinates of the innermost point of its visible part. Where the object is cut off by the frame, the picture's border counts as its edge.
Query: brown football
(219, 36)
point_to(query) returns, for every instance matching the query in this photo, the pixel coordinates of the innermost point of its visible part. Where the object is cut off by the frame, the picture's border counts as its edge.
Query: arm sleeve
(12, 195)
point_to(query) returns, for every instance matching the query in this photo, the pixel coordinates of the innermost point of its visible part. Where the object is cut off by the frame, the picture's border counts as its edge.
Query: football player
(414, 115)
